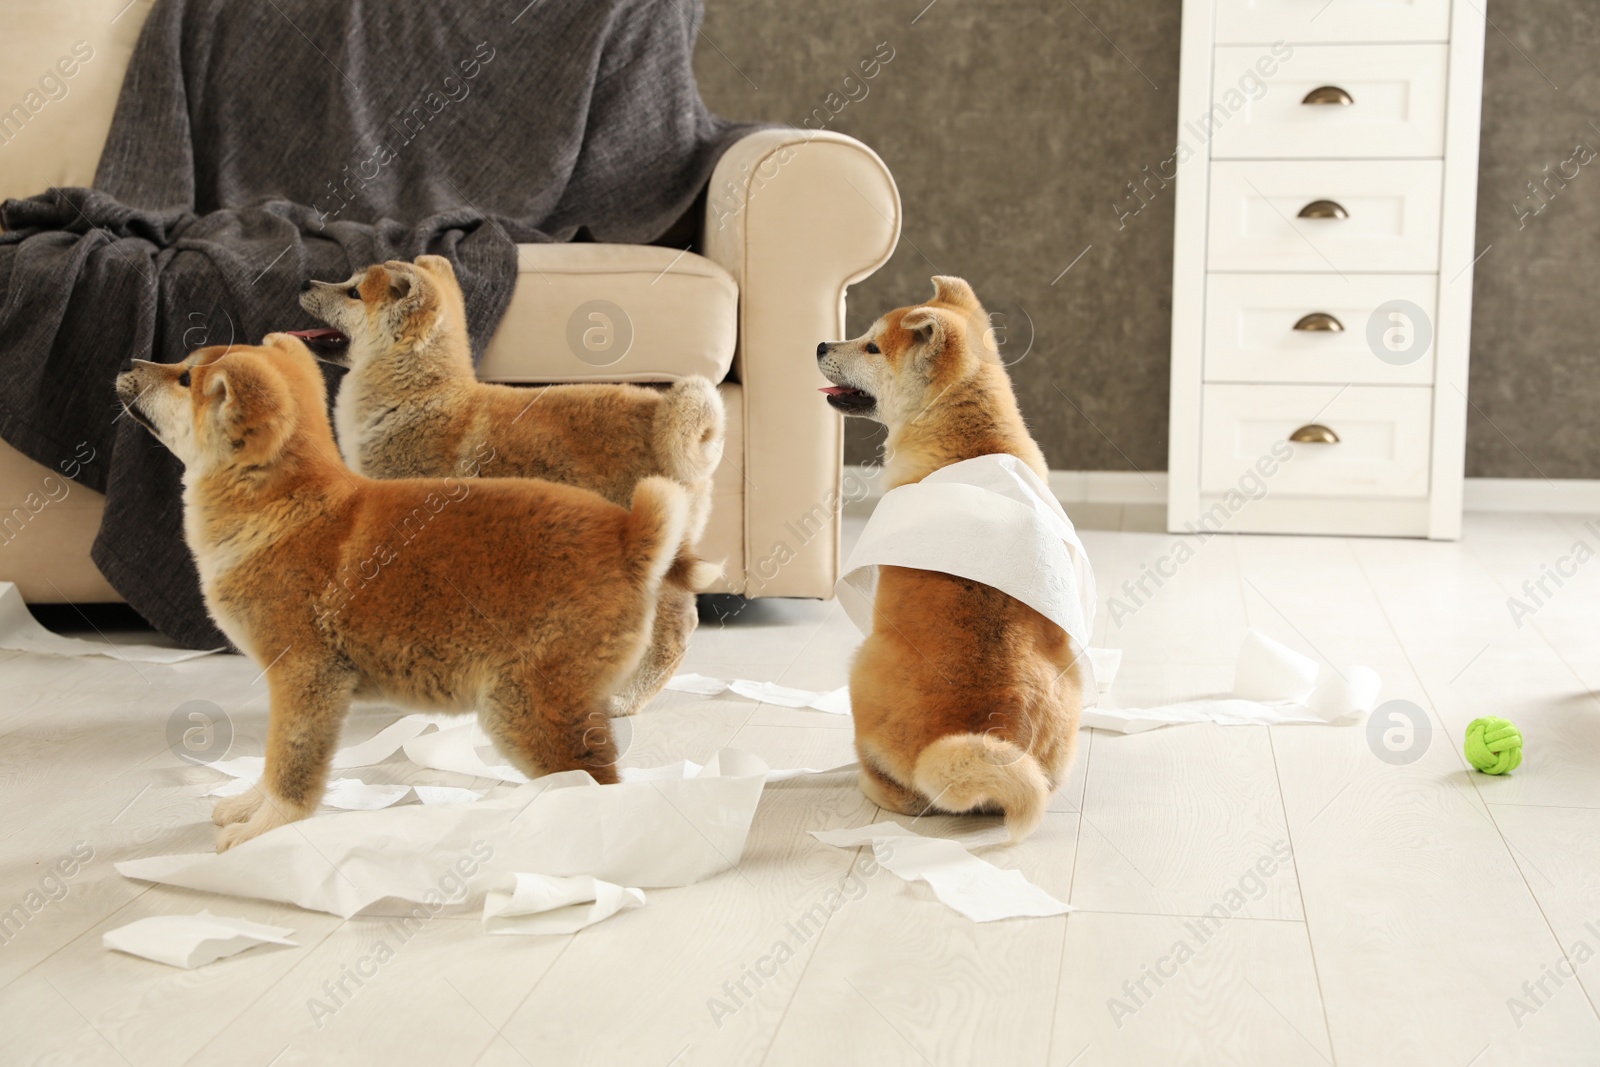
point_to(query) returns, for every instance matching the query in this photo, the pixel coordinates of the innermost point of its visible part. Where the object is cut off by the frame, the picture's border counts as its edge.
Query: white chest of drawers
(1322, 265)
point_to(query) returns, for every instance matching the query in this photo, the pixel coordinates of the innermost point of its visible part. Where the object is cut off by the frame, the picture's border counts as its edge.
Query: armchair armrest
(795, 216)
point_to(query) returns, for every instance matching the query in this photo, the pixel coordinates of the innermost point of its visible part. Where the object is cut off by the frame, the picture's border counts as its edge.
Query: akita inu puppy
(964, 698)
(412, 407)
(529, 601)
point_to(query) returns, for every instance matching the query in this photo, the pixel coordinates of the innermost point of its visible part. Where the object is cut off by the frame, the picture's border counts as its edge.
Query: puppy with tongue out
(965, 698)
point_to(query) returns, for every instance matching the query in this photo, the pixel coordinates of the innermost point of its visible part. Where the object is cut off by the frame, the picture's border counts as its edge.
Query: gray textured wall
(1014, 127)
(1536, 315)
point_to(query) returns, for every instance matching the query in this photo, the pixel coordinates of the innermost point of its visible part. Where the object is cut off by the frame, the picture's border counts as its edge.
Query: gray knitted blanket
(258, 143)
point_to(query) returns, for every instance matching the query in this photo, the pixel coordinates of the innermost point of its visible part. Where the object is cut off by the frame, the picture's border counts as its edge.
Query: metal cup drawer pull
(1314, 434)
(1329, 94)
(1319, 322)
(1324, 209)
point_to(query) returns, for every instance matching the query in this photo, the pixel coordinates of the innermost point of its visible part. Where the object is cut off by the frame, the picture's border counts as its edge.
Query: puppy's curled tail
(691, 573)
(657, 525)
(688, 430)
(962, 772)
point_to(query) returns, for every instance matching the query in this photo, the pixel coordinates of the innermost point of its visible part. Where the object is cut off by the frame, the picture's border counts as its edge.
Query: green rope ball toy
(1494, 746)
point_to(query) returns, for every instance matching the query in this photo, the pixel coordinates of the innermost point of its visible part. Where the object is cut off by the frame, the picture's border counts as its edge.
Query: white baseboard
(1109, 487)
(1560, 496)
(1069, 487)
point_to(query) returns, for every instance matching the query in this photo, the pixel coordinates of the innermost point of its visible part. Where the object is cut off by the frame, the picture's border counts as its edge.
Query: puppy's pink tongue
(837, 390)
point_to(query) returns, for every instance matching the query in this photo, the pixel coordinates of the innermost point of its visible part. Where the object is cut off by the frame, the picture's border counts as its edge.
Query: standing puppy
(411, 406)
(964, 698)
(529, 601)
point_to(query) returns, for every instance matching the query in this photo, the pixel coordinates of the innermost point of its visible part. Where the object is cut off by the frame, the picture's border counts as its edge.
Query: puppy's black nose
(822, 349)
(305, 286)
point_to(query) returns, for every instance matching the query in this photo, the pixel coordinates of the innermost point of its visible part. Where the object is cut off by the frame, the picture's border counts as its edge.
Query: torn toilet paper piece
(377, 748)
(352, 794)
(698, 684)
(546, 904)
(1105, 663)
(644, 833)
(464, 748)
(387, 741)
(977, 889)
(343, 794)
(835, 702)
(190, 941)
(688, 769)
(374, 749)
(784, 774)
(1272, 685)
(21, 632)
(232, 787)
(251, 767)
(682, 769)
(446, 794)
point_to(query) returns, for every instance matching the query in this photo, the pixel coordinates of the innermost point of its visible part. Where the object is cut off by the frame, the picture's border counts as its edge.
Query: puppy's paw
(236, 834)
(268, 815)
(230, 810)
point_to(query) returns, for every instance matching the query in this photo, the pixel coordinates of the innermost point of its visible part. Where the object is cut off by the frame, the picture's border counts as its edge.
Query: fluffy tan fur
(527, 601)
(412, 407)
(964, 698)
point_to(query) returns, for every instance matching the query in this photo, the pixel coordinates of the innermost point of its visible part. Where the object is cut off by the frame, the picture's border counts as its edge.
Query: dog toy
(1494, 746)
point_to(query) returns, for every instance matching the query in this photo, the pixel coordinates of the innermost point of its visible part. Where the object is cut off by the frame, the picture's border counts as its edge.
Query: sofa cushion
(61, 67)
(614, 313)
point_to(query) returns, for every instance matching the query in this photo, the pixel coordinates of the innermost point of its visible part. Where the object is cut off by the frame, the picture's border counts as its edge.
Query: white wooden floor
(1429, 915)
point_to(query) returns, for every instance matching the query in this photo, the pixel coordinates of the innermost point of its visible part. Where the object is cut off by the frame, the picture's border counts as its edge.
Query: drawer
(1317, 21)
(1390, 223)
(1382, 449)
(1396, 108)
(1347, 331)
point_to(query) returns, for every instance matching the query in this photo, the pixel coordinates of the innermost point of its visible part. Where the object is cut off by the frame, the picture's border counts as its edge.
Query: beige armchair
(793, 217)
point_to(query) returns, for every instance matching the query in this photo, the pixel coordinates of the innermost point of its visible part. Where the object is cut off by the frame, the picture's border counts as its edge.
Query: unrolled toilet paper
(992, 520)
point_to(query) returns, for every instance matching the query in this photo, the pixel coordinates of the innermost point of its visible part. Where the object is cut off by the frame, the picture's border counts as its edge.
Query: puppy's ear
(929, 325)
(219, 392)
(410, 289)
(295, 360)
(402, 281)
(248, 404)
(416, 303)
(954, 291)
(438, 265)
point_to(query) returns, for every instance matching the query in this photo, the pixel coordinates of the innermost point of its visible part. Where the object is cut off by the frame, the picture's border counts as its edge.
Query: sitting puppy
(530, 601)
(412, 407)
(964, 698)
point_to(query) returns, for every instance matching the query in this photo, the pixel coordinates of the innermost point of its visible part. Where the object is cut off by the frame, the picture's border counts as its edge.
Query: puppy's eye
(183, 379)
(353, 293)
(872, 347)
